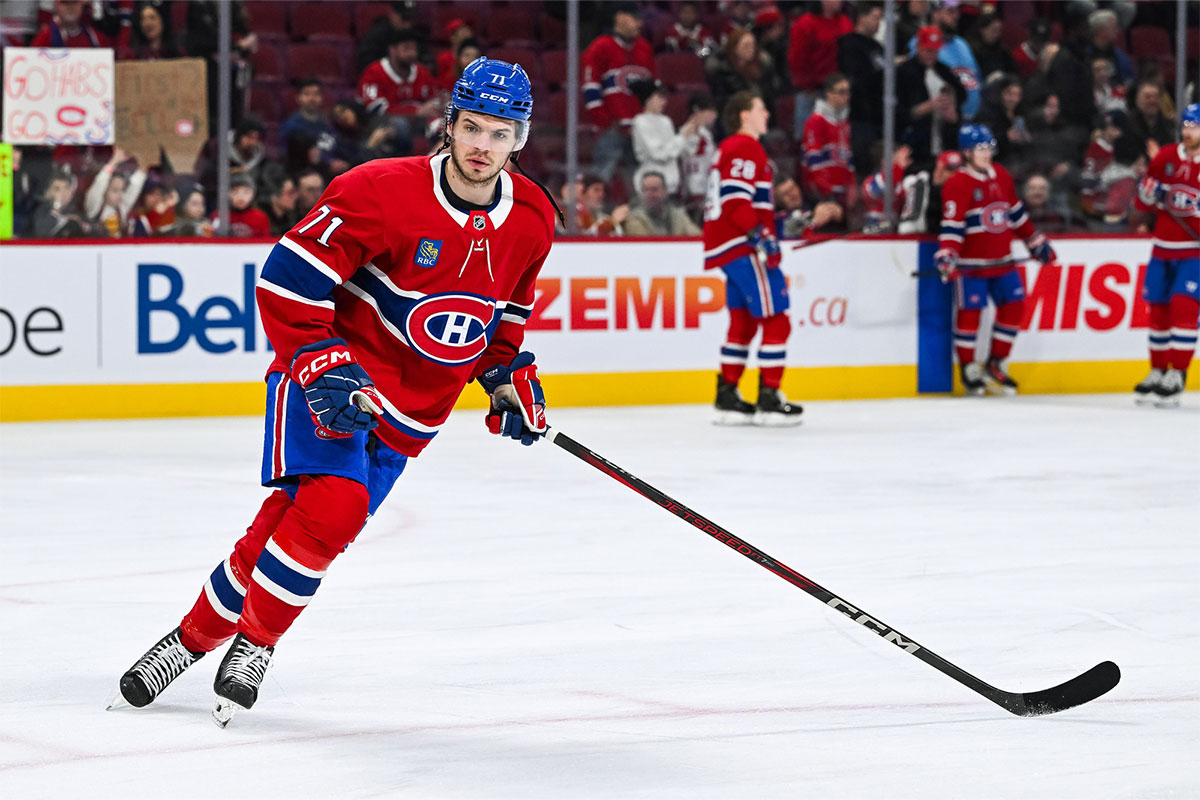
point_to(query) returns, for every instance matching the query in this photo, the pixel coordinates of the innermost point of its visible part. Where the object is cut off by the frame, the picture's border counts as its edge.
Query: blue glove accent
(327, 388)
(518, 380)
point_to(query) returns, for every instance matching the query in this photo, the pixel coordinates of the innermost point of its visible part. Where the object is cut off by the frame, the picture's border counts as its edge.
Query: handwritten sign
(58, 95)
(162, 107)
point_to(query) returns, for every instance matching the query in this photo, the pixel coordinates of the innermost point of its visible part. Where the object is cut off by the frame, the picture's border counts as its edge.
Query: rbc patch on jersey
(428, 252)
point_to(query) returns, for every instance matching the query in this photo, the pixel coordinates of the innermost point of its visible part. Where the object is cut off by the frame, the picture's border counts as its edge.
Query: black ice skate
(1146, 392)
(774, 408)
(154, 671)
(732, 409)
(1170, 390)
(238, 678)
(972, 379)
(997, 378)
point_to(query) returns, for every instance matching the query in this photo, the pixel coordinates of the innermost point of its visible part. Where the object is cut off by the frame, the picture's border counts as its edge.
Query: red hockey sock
(736, 349)
(966, 326)
(214, 617)
(327, 514)
(1160, 335)
(773, 350)
(1185, 311)
(1006, 327)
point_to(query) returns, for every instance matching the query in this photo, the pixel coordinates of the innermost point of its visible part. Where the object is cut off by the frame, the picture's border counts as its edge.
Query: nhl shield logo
(428, 251)
(479, 222)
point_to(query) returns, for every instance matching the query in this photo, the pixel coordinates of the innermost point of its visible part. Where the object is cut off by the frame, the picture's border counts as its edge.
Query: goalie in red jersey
(980, 213)
(411, 278)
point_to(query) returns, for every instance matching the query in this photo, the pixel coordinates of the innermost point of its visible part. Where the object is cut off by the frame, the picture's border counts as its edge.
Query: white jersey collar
(497, 213)
(1183, 156)
(395, 76)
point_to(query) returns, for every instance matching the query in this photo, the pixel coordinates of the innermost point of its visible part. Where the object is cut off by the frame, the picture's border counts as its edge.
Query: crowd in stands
(1079, 93)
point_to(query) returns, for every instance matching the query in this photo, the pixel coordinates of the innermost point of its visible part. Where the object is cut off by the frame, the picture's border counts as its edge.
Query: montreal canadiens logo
(450, 328)
(994, 217)
(1185, 200)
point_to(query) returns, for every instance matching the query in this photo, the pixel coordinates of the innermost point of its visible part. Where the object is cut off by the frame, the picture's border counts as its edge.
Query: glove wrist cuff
(313, 360)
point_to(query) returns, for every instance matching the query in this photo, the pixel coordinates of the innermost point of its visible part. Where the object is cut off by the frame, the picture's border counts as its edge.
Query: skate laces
(248, 663)
(163, 664)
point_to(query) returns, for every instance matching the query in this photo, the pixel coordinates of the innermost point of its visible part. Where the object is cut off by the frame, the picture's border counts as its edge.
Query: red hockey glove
(329, 374)
(946, 262)
(518, 404)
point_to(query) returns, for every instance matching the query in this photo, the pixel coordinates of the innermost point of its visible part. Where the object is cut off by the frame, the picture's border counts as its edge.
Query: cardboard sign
(162, 104)
(58, 95)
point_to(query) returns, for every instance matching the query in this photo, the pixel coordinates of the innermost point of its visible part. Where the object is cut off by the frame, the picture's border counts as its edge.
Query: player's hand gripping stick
(518, 408)
(1039, 248)
(767, 245)
(947, 264)
(329, 375)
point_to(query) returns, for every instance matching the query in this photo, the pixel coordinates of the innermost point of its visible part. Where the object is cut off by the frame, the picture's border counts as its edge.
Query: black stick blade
(1075, 692)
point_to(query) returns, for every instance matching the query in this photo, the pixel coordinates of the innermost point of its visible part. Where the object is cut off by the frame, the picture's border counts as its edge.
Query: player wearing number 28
(1171, 290)
(739, 239)
(410, 278)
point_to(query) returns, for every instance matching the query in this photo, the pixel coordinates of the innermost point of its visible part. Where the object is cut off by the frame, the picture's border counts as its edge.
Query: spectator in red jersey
(457, 31)
(69, 29)
(151, 38)
(687, 34)
(1028, 54)
(1099, 156)
(828, 172)
(468, 51)
(245, 221)
(610, 62)
(1109, 96)
(743, 66)
(396, 84)
(812, 55)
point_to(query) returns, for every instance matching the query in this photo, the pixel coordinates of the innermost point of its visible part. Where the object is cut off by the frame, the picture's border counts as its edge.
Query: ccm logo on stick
(872, 624)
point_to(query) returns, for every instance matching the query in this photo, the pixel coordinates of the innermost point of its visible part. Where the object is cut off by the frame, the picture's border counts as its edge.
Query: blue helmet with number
(496, 88)
(1191, 115)
(972, 136)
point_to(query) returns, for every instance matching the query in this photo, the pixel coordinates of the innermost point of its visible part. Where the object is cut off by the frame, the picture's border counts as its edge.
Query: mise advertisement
(169, 314)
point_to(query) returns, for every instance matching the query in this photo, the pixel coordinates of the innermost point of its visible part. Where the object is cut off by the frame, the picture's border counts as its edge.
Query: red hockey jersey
(739, 199)
(980, 212)
(608, 66)
(413, 284)
(1180, 176)
(828, 161)
(382, 89)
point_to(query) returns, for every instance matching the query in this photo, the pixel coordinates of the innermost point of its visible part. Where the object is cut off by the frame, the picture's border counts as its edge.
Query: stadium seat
(785, 112)
(554, 67)
(313, 21)
(554, 30)
(1149, 41)
(1013, 34)
(443, 13)
(527, 58)
(1193, 44)
(677, 107)
(268, 63)
(265, 101)
(680, 70)
(367, 13)
(317, 60)
(266, 18)
(510, 25)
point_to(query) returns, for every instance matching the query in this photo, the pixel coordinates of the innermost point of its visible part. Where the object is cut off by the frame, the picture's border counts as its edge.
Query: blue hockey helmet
(496, 88)
(1191, 115)
(972, 136)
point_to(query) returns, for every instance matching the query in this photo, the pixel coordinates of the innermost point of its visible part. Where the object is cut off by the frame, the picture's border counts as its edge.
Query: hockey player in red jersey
(1171, 188)
(980, 213)
(739, 238)
(610, 64)
(411, 278)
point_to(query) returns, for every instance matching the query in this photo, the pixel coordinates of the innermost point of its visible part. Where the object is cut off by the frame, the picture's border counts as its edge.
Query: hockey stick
(1078, 690)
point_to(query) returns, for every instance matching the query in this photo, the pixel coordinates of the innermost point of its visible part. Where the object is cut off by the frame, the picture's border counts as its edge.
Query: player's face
(980, 156)
(754, 119)
(480, 146)
(1191, 136)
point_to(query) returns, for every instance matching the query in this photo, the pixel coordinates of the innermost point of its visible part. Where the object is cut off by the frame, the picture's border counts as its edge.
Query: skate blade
(223, 711)
(732, 418)
(1167, 402)
(1000, 390)
(1144, 400)
(772, 420)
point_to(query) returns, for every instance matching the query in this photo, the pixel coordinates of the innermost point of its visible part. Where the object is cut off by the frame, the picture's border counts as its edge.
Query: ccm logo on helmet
(495, 97)
(450, 328)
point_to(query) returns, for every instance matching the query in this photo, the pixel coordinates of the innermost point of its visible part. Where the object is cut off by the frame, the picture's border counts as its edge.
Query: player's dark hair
(739, 102)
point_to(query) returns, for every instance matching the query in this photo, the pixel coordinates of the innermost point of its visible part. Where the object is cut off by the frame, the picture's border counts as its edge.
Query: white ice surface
(515, 624)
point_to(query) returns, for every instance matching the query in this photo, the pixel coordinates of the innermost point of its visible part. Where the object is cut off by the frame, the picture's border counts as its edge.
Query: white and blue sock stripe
(772, 353)
(735, 353)
(1183, 338)
(285, 577)
(224, 592)
(1160, 340)
(1004, 333)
